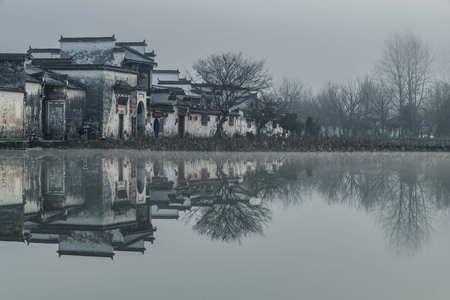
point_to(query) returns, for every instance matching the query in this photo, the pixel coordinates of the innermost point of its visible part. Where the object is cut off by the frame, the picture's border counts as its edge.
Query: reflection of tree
(279, 183)
(405, 212)
(395, 191)
(349, 184)
(229, 215)
(231, 221)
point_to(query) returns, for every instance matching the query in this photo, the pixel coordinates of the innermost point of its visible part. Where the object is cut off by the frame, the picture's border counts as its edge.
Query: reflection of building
(71, 202)
(98, 205)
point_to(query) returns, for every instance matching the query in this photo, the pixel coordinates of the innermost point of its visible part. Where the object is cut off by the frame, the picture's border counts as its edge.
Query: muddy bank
(246, 144)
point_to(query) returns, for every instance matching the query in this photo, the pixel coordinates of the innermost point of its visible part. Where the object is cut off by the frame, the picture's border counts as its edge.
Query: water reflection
(224, 209)
(96, 204)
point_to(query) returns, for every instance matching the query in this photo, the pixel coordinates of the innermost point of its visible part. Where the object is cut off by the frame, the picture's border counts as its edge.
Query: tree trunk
(219, 130)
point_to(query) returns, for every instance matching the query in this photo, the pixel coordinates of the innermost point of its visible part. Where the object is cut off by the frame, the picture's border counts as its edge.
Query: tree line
(402, 96)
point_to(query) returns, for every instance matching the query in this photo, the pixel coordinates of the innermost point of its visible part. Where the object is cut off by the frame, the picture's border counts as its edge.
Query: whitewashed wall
(11, 181)
(11, 114)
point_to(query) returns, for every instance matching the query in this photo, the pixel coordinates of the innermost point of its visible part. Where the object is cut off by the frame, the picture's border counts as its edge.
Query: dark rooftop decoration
(143, 43)
(88, 39)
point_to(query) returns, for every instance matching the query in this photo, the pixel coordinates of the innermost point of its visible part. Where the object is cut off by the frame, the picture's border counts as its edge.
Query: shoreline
(245, 144)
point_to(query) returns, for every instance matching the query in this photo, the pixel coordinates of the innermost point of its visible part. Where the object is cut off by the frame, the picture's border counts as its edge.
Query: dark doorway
(141, 119)
(156, 128)
(120, 126)
(181, 126)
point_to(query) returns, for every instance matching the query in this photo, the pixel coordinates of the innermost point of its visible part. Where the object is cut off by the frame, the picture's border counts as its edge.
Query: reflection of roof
(161, 107)
(62, 228)
(86, 253)
(162, 213)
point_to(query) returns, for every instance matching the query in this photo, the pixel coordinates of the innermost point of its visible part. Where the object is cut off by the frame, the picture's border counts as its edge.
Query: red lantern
(143, 75)
(117, 105)
(195, 118)
(209, 118)
(130, 189)
(131, 105)
(190, 118)
(217, 119)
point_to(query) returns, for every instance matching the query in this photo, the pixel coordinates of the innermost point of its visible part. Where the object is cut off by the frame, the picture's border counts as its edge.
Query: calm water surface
(122, 225)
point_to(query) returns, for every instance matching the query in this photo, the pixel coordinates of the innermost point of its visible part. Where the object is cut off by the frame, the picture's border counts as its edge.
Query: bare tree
(273, 104)
(353, 107)
(232, 79)
(405, 69)
(330, 107)
(436, 110)
(378, 102)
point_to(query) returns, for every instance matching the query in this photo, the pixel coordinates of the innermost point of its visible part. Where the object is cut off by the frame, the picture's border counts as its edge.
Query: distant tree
(330, 108)
(353, 107)
(437, 110)
(377, 100)
(273, 104)
(290, 122)
(312, 128)
(405, 69)
(232, 79)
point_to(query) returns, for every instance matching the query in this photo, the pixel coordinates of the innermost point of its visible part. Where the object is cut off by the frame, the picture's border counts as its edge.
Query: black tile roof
(14, 56)
(89, 67)
(43, 50)
(166, 71)
(52, 61)
(143, 43)
(88, 39)
(180, 81)
(37, 74)
(136, 56)
(123, 86)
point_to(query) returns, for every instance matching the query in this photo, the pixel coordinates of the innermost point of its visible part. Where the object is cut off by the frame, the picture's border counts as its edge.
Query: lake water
(126, 224)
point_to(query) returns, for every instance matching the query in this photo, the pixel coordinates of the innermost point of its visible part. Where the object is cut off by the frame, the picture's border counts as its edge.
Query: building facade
(107, 87)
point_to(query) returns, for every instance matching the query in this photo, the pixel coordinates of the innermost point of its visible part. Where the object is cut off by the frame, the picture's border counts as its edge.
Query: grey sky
(317, 41)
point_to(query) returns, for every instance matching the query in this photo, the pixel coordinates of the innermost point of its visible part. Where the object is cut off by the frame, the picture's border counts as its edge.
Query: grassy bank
(246, 144)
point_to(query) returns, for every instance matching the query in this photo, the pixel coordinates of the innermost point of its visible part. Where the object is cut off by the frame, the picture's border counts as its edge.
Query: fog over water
(222, 225)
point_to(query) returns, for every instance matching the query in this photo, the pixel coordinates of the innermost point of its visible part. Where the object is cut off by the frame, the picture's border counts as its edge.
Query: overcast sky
(316, 41)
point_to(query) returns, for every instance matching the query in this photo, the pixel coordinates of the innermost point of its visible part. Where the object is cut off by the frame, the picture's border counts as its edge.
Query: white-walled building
(110, 87)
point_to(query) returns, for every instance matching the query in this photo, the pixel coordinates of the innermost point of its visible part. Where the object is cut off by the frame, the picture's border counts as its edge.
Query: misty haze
(224, 149)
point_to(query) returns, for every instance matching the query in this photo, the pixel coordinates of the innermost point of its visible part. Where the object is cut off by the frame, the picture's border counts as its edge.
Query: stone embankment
(247, 144)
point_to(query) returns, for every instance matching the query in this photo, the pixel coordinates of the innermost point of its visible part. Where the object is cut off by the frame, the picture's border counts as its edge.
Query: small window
(161, 124)
(204, 120)
(204, 173)
(230, 121)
